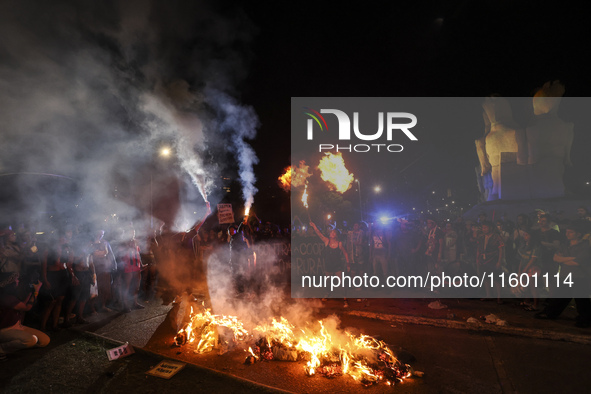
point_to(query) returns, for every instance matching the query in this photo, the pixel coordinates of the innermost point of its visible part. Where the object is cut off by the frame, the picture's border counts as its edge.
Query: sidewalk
(76, 362)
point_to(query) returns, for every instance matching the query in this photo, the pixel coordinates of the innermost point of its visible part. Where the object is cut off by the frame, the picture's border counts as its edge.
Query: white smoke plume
(88, 91)
(173, 107)
(265, 302)
(238, 123)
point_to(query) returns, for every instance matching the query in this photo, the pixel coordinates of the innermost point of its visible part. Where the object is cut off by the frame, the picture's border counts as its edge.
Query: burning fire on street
(323, 348)
(202, 330)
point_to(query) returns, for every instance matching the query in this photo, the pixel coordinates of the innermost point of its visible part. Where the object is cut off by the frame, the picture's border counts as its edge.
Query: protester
(240, 252)
(450, 255)
(356, 242)
(150, 273)
(575, 260)
(434, 244)
(206, 245)
(128, 253)
(549, 245)
(11, 256)
(379, 252)
(407, 244)
(489, 256)
(104, 263)
(56, 281)
(14, 335)
(84, 272)
(31, 268)
(583, 213)
(529, 254)
(333, 255)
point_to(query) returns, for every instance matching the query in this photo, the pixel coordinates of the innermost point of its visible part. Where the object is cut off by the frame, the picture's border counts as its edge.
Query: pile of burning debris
(326, 351)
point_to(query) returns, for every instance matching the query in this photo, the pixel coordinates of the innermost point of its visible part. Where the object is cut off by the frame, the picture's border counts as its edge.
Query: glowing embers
(275, 341)
(362, 357)
(370, 361)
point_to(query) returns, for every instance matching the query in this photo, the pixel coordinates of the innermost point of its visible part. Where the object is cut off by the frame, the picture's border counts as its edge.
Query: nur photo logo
(389, 127)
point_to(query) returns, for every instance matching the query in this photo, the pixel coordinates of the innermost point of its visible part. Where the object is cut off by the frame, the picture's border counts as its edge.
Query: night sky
(418, 49)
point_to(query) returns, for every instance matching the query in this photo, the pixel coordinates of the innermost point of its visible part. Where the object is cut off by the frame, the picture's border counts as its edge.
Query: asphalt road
(459, 361)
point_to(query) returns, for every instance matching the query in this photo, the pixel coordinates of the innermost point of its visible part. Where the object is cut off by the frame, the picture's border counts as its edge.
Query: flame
(300, 175)
(285, 179)
(333, 170)
(279, 331)
(305, 196)
(317, 344)
(203, 326)
(360, 371)
(252, 353)
(329, 352)
(246, 211)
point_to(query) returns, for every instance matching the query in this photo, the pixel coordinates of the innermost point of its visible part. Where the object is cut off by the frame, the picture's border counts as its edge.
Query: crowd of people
(62, 276)
(535, 245)
(54, 278)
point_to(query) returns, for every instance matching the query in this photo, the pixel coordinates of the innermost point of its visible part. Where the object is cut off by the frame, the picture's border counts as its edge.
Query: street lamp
(165, 152)
(377, 189)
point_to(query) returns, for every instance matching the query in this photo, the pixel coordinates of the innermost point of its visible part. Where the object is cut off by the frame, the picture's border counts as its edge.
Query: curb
(261, 387)
(525, 332)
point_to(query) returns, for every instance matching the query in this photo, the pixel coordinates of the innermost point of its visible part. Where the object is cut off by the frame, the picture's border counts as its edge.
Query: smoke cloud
(269, 297)
(238, 124)
(89, 91)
